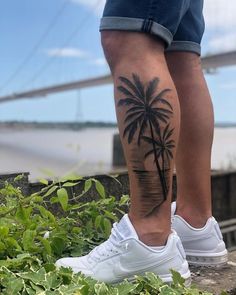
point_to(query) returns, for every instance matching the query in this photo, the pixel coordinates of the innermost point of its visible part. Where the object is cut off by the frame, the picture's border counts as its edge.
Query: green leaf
(50, 267)
(100, 188)
(28, 239)
(45, 213)
(51, 217)
(50, 191)
(54, 200)
(87, 185)
(12, 243)
(2, 247)
(15, 287)
(101, 289)
(58, 245)
(70, 184)
(42, 211)
(71, 177)
(126, 288)
(33, 290)
(124, 200)
(4, 230)
(97, 222)
(107, 227)
(63, 198)
(52, 281)
(110, 215)
(76, 207)
(19, 260)
(46, 245)
(177, 279)
(19, 177)
(43, 181)
(23, 214)
(37, 277)
(37, 199)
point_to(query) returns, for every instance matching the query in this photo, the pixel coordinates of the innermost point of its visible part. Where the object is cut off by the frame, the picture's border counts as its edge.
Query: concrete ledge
(223, 190)
(216, 280)
(23, 182)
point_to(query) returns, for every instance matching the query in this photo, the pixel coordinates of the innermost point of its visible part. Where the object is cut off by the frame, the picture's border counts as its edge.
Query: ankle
(154, 239)
(151, 231)
(192, 216)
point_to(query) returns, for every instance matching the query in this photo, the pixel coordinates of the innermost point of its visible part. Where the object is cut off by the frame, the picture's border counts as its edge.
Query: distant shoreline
(57, 125)
(78, 125)
(225, 125)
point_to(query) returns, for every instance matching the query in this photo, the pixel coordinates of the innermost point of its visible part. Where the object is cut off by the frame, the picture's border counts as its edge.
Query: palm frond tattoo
(149, 112)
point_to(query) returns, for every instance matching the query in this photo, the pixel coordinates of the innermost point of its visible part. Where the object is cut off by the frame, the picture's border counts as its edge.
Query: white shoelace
(107, 248)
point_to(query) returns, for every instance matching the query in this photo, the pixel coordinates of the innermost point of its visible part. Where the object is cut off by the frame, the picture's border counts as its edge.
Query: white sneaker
(123, 255)
(203, 246)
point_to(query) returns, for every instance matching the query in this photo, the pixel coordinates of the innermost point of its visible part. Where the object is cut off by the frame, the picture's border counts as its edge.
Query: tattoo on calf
(147, 122)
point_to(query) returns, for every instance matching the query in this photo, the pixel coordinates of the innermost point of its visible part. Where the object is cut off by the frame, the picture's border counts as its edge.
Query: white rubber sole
(206, 259)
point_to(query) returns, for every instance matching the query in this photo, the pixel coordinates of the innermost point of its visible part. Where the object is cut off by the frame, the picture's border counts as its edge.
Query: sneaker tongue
(126, 229)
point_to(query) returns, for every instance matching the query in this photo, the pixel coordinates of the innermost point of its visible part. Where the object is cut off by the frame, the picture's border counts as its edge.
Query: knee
(122, 47)
(111, 44)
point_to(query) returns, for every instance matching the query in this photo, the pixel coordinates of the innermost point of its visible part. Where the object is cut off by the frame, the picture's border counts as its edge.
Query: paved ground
(216, 280)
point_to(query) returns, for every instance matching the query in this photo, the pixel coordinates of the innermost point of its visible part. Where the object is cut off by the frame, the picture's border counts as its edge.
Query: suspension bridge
(210, 63)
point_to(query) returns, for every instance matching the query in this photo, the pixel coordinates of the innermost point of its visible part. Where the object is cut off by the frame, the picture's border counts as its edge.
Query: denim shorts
(179, 23)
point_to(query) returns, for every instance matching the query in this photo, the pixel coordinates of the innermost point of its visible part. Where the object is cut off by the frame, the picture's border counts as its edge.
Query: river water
(45, 152)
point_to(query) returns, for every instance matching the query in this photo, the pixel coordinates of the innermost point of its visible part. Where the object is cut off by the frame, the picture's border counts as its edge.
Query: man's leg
(196, 134)
(193, 221)
(148, 118)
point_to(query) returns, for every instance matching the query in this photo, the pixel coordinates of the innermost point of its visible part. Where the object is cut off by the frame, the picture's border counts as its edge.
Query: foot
(123, 255)
(203, 246)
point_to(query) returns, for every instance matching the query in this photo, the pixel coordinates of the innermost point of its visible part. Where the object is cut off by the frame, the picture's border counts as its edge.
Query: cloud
(223, 43)
(70, 52)
(99, 62)
(67, 52)
(95, 6)
(220, 14)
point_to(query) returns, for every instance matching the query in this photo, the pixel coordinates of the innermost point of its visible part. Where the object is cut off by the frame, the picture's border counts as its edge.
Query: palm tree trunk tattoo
(157, 162)
(148, 117)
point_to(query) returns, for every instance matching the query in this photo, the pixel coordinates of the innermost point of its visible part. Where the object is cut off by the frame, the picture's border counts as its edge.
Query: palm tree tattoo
(149, 112)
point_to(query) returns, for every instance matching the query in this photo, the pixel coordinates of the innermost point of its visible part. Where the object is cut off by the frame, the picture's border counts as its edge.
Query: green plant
(27, 257)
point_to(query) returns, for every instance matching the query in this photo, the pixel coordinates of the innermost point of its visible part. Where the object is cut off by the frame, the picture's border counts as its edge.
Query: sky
(50, 42)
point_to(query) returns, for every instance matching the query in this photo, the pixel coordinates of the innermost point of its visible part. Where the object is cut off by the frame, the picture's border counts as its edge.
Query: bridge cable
(36, 46)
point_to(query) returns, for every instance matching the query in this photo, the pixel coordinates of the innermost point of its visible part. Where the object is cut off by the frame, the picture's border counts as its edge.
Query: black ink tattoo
(163, 146)
(149, 112)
